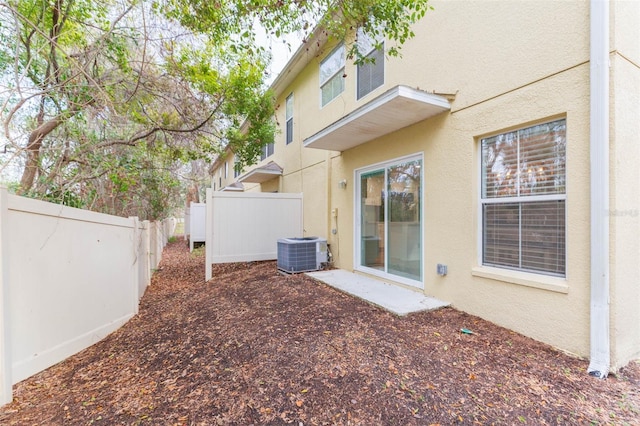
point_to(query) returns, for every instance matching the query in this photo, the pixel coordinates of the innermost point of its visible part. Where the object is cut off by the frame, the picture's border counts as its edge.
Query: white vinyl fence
(68, 278)
(243, 227)
(197, 218)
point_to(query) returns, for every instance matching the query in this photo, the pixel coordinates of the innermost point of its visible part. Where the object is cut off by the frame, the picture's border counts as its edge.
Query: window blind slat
(371, 74)
(525, 232)
(543, 236)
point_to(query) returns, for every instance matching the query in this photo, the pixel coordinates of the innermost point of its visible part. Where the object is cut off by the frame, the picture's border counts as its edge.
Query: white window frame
(338, 50)
(267, 151)
(288, 117)
(482, 201)
(357, 252)
(236, 172)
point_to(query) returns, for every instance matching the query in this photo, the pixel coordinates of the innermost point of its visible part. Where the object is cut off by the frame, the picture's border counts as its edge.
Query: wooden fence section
(243, 227)
(68, 278)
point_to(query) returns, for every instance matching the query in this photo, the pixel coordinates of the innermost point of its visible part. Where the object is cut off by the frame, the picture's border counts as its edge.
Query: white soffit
(395, 109)
(236, 186)
(262, 174)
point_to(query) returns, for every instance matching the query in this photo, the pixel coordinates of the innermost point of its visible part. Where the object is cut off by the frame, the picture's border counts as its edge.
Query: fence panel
(144, 267)
(197, 222)
(244, 227)
(70, 278)
(65, 264)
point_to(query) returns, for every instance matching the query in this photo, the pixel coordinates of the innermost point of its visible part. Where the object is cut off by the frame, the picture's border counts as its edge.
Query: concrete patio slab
(396, 299)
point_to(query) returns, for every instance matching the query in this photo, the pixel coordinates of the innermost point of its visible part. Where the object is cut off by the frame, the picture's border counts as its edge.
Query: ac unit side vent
(301, 254)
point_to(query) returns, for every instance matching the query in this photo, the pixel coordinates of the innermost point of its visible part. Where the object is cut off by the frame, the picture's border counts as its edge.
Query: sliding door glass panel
(372, 219)
(404, 251)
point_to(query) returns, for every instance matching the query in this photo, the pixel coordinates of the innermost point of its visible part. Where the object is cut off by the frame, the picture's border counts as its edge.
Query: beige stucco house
(503, 144)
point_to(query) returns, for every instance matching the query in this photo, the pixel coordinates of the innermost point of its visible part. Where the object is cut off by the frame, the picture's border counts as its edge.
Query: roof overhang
(395, 109)
(262, 174)
(235, 186)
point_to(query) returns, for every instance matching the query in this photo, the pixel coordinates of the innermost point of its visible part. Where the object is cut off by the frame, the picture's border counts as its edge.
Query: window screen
(331, 72)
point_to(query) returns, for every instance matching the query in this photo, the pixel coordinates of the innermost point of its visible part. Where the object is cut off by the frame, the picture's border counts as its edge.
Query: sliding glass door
(389, 234)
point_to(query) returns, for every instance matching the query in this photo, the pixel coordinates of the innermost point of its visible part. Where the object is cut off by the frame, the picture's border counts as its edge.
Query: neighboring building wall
(503, 68)
(222, 171)
(503, 78)
(508, 71)
(625, 181)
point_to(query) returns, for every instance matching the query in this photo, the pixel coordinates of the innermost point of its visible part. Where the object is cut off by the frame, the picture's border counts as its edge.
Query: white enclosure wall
(68, 277)
(243, 227)
(198, 216)
(65, 264)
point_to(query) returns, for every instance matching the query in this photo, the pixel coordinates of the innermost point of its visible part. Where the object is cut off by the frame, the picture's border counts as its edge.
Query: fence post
(147, 250)
(208, 234)
(136, 262)
(6, 379)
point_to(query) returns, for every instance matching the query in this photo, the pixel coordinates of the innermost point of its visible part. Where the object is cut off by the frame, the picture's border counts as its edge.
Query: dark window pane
(371, 74)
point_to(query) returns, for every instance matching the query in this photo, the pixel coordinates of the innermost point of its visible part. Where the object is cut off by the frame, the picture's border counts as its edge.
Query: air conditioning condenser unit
(301, 254)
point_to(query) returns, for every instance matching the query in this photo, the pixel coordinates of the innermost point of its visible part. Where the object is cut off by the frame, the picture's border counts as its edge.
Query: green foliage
(233, 21)
(59, 195)
(248, 101)
(109, 100)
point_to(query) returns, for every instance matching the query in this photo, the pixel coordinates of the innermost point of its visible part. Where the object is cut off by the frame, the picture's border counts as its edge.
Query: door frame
(357, 224)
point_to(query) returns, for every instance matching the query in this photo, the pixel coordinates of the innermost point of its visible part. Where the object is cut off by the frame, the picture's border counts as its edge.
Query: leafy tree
(108, 100)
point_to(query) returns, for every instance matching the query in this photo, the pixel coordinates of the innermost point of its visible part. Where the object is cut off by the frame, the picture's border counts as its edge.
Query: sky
(281, 49)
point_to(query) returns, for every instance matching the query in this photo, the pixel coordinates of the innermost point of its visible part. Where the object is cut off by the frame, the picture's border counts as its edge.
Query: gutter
(600, 356)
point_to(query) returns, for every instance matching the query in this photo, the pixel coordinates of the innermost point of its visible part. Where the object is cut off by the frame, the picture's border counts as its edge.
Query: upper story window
(267, 151)
(236, 168)
(331, 72)
(371, 71)
(289, 119)
(523, 196)
(226, 170)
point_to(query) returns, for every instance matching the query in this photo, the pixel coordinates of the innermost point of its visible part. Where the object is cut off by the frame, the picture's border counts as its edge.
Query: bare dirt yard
(255, 347)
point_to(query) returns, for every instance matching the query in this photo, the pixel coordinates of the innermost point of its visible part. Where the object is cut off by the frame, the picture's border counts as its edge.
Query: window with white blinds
(523, 197)
(288, 116)
(331, 75)
(371, 71)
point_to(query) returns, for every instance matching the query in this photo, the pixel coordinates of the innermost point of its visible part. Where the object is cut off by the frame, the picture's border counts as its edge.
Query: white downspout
(599, 134)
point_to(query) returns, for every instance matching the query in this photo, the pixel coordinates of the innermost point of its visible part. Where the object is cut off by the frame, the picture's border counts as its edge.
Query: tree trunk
(33, 153)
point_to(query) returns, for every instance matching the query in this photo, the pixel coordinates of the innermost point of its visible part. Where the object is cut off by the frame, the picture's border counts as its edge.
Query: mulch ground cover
(253, 346)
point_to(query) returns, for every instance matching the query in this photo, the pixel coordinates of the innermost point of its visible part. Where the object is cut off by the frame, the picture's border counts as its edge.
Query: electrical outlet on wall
(442, 269)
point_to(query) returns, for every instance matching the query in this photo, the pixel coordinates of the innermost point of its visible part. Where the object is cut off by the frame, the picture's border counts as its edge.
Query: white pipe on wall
(599, 134)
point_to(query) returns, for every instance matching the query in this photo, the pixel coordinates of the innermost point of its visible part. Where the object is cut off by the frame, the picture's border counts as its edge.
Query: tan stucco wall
(451, 181)
(504, 77)
(625, 33)
(481, 49)
(509, 65)
(218, 178)
(625, 182)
